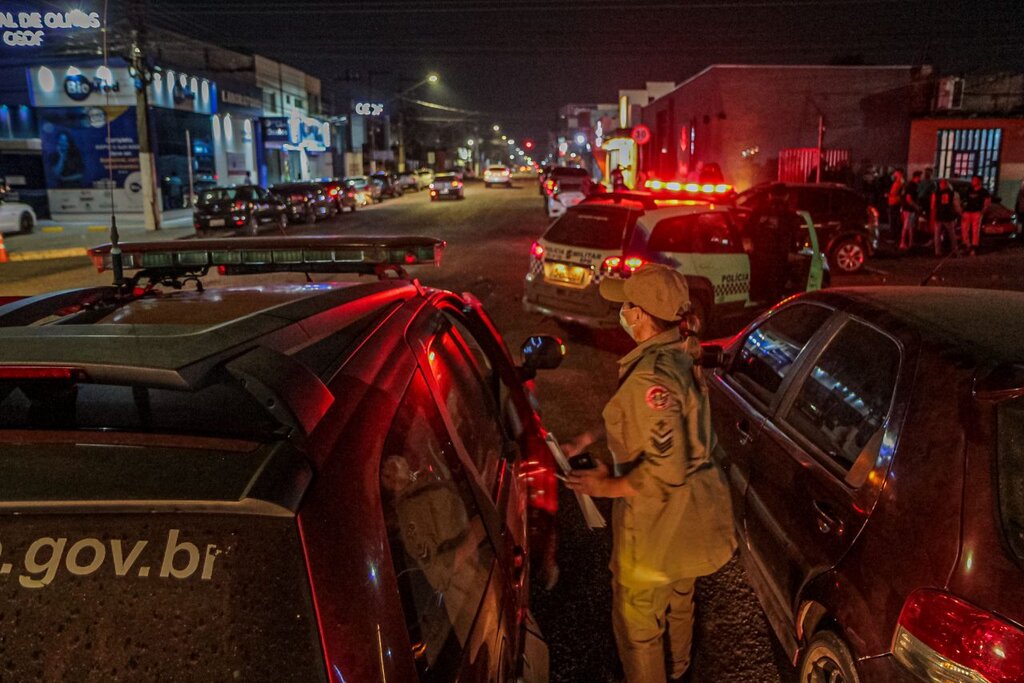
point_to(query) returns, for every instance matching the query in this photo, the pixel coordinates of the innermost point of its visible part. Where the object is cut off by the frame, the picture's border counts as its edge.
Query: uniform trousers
(640, 617)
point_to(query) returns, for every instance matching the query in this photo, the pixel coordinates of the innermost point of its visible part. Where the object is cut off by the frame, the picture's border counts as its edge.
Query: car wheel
(848, 255)
(252, 228)
(828, 660)
(25, 223)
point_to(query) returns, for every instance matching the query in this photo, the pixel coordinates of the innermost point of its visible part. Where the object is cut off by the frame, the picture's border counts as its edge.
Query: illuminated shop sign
(95, 86)
(369, 108)
(296, 132)
(28, 29)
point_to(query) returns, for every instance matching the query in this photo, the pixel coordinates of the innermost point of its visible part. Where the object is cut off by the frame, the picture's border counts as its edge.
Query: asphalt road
(489, 236)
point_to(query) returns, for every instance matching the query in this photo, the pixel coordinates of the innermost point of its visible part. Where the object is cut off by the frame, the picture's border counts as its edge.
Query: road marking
(53, 228)
(877, 271)
(97, 228)
(45, 254)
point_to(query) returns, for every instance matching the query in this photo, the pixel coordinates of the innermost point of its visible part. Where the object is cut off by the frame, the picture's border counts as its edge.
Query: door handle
(743, 427)
(826, 519)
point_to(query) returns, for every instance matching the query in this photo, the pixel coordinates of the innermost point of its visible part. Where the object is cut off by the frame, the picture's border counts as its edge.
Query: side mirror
(541, 352)
(711, 356)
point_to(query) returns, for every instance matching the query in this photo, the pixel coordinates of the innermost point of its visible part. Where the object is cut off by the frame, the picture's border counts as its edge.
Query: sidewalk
(70, 236)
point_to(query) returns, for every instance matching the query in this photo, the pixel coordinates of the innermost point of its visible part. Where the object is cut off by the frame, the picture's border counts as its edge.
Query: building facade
(746, 119)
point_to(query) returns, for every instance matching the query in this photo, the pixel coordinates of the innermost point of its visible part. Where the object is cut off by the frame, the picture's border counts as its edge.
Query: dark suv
(874, 442)
(846, 224)
(271, 482)
(307, 202)
(239, 208)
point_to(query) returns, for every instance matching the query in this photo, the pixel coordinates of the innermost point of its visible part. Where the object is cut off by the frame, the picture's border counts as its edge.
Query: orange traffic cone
(3, 250)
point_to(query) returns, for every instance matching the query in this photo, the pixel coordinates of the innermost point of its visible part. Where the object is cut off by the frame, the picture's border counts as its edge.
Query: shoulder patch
(658, 397)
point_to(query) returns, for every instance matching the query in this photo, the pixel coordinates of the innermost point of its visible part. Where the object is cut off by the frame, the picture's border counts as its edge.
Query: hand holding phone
(583, 461)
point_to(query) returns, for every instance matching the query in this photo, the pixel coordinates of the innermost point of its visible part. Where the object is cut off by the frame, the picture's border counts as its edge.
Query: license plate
(216, 222)
(564, 273)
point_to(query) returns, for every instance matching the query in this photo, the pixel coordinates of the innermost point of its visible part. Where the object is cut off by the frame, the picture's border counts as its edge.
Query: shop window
(963, 152)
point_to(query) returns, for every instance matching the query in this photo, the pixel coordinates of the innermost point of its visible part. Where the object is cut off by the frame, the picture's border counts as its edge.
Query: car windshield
(748, 198)
(593, 227)
(220, 194)
(1010, 469)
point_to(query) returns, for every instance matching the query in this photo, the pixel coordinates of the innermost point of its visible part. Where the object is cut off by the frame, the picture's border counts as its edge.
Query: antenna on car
(117, 262)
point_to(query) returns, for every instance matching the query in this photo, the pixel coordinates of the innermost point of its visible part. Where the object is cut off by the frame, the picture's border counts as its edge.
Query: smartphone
(583, 461)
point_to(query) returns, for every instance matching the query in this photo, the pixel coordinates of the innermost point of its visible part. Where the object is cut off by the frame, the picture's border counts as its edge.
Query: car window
(750, 198)
(470, 401)
(1010, 471)
(770, 349)
(675, 235)
(440, 550)
(592, 227)
(844, 400)
(715, 235)
(815, 201)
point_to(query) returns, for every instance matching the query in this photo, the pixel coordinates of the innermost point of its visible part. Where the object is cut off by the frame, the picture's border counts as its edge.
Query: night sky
(519, 60)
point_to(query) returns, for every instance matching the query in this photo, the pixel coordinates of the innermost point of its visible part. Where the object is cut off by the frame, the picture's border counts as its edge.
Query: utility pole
(141, 71)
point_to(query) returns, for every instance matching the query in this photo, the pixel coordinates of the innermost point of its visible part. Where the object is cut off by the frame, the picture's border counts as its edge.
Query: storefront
(236, 132)
(297, 148)
(88, 134)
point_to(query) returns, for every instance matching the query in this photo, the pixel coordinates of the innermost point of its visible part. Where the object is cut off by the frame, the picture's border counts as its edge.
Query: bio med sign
(30, 29)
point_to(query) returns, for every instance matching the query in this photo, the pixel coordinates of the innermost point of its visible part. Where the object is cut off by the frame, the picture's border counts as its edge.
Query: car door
(749, 387)
(825, 453)
(441, 547)
(817, 201)
(719, 257)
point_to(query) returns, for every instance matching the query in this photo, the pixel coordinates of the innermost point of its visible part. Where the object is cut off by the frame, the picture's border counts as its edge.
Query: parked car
(542, 176)
(279, 482)
(872, 439)
(366, 192)
(447, 185)
(338, 190)
(847, 225)
(389, 186)
(612, 236)
(307, 202)
(239, 208)
(425, 177)
(565, 187)
(409, 181)
(497, 175)
(16, 216)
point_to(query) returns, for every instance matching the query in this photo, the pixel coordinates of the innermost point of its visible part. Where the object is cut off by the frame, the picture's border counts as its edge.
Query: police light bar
(244, 255)
(690, 188)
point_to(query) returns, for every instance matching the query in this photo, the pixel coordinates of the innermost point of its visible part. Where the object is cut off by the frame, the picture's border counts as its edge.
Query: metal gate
(799, 165)
(964, 152)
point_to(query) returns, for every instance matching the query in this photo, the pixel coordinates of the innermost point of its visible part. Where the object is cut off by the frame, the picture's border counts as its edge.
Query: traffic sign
(641, 134)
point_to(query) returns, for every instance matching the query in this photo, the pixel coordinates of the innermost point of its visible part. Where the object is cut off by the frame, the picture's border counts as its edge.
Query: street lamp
(496, 128)
(470, 142)
(432, 79)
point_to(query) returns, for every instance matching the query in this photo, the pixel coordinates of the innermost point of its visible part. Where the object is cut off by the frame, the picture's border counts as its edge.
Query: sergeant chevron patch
(661, 437)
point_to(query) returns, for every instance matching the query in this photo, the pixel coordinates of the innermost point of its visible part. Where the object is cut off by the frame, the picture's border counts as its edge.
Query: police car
(269, 481)
(614, 234)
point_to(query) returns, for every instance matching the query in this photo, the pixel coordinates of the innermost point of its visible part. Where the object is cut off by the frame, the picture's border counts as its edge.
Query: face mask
(625, 325)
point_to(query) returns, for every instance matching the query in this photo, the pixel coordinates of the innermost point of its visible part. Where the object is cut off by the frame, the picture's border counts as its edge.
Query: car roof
(691, 208)
(986, 323)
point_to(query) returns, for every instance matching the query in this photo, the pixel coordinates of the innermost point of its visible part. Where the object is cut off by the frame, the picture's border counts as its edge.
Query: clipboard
(593, 517)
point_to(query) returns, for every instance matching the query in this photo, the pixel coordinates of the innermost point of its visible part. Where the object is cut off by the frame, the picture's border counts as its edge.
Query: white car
(16, 216)
(424, 177)
(563, 188)
(497, 175)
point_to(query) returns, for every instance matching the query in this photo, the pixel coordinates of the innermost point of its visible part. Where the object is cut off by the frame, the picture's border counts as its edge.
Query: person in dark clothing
(618, 179)
(894, 202)
(773, 228)
(976, 201)
(911, 209)
(945, 210)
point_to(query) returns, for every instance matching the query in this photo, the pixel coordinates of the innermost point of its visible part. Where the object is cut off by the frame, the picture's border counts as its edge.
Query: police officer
(671, 517)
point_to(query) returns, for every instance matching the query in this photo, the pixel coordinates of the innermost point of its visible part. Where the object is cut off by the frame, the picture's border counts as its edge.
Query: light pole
(432, 79)
(142, 73)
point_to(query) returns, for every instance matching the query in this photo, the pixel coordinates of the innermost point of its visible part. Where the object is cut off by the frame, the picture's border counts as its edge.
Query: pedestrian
(895, 202)
(924, 198)
(671, 515)
(773, 228)
(944, 212)
(911, 209)
(618, 179)
(976, 202)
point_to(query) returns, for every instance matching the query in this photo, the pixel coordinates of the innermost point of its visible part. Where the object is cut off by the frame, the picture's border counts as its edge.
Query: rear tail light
(333, 191)
(940, 637)
(239, 206)
(630, 265)
(40, 372)
(550, 186)
(611, 264)
(537, 251)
